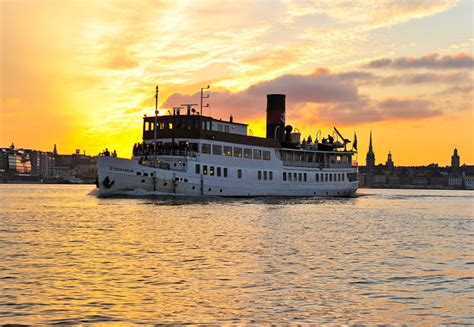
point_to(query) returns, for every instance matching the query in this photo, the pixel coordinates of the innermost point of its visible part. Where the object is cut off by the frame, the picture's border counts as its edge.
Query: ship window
(339, 177)
(145, 174)
(259, 175)
(139, 173)
(330, 177)
(211, 171)
(198, 168)
(257, 154)
(239, 173)
(238, 152)
(289, 177)
(205, 148)
(270, 175)
(300, 177)
(208, 125)
(228, 151)
(265, 175)
(295, 177)
(266, 155)
(226, 128)
(219, 128)
(248, 153)
(326, 178)
(317, 177)
(343, 177)
(170, 125)
(204, 169)
(203, 125)
(219, 169)
(284, 176)
(217, 149)
(305, 177)
(225, 172)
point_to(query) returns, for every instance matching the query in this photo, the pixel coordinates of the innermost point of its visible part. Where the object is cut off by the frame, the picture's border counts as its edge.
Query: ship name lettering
(122, 169)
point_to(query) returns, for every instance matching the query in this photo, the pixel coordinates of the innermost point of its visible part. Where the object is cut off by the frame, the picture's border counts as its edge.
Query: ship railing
(167, 152)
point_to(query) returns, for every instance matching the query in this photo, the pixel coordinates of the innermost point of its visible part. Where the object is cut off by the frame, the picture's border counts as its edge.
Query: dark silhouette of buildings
(432, 176)
(26, 165)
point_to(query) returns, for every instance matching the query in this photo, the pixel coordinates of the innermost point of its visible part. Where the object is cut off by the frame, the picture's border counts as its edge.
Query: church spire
(370, 158)
(370, 142)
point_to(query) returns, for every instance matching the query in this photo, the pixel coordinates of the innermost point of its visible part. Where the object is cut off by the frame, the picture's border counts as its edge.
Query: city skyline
(361, 67)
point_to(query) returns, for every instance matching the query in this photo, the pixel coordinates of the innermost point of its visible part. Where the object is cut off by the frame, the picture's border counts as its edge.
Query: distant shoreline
(404, 187)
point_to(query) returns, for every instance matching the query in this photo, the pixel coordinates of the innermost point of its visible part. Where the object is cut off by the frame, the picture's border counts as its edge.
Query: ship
(186, 153)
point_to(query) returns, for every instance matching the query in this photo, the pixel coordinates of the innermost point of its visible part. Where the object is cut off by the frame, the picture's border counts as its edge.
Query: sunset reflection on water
(391, 256)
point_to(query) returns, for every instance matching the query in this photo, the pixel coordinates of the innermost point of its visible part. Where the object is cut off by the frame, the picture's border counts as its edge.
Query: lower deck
(199, 178)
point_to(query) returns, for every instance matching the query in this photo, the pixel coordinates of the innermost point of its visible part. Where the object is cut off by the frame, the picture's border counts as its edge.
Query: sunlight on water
(393, 256)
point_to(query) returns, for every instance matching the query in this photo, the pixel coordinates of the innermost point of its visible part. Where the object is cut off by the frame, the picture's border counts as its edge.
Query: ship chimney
(275, 116)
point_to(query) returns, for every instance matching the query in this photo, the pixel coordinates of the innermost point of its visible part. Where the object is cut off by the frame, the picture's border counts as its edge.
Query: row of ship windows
(211, 170)
(268, 175)
(337, 177)
(235, 151)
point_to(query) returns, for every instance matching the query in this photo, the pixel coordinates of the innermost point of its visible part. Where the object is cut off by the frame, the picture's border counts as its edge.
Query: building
(370, 157)
(455, 160)
(33, 165)
(389, 164)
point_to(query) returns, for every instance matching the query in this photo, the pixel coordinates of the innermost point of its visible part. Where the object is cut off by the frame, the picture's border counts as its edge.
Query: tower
(455, 160)
(370, 158)
(55, 151)
(389, 163)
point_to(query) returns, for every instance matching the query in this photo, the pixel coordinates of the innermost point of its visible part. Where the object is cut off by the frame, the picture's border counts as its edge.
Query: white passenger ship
(194, 155)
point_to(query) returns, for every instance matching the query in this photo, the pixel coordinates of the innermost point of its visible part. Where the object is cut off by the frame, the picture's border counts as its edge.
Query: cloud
(424, 78)
(430, 61)
(321, 97)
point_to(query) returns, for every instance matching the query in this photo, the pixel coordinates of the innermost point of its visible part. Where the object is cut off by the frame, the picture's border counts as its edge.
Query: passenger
(106, 152)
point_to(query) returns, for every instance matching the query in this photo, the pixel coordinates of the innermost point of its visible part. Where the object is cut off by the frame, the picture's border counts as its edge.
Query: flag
(354, 145)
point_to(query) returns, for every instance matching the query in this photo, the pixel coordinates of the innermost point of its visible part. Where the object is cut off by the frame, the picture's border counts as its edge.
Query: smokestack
(276, 116)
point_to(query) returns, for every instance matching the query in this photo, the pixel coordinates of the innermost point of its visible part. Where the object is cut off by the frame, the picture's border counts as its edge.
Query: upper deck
(202, 127)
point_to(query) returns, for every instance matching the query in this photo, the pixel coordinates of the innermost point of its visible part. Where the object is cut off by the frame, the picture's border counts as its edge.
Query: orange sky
(81, 74)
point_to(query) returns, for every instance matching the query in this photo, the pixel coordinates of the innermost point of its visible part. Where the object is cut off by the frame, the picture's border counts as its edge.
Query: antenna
(205, 97)
(154, 127)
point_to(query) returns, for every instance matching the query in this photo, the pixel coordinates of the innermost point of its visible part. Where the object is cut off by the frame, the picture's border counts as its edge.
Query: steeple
(370, 158)
(370, 142)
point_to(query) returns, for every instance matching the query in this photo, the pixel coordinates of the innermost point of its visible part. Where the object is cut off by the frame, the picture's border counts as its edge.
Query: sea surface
(384, 256)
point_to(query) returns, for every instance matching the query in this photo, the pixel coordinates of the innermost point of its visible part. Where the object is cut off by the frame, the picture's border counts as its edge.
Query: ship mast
(204, 97)
(154, 127)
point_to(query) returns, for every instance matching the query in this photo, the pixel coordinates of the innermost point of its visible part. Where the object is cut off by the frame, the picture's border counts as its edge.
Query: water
(387, 256)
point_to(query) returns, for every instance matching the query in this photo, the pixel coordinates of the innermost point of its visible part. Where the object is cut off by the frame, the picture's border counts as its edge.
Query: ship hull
(117, 176)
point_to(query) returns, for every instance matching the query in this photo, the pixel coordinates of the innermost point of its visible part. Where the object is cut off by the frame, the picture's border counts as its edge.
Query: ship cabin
(188, 135)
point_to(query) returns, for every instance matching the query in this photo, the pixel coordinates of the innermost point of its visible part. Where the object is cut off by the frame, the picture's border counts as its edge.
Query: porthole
(143, 181)
(220, 191)
(165, 184)
(209, 189)
(194, 187)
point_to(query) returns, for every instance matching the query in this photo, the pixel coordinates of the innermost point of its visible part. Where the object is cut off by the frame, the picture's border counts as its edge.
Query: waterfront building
(455, 160)
(370, 157)
(389, 164)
